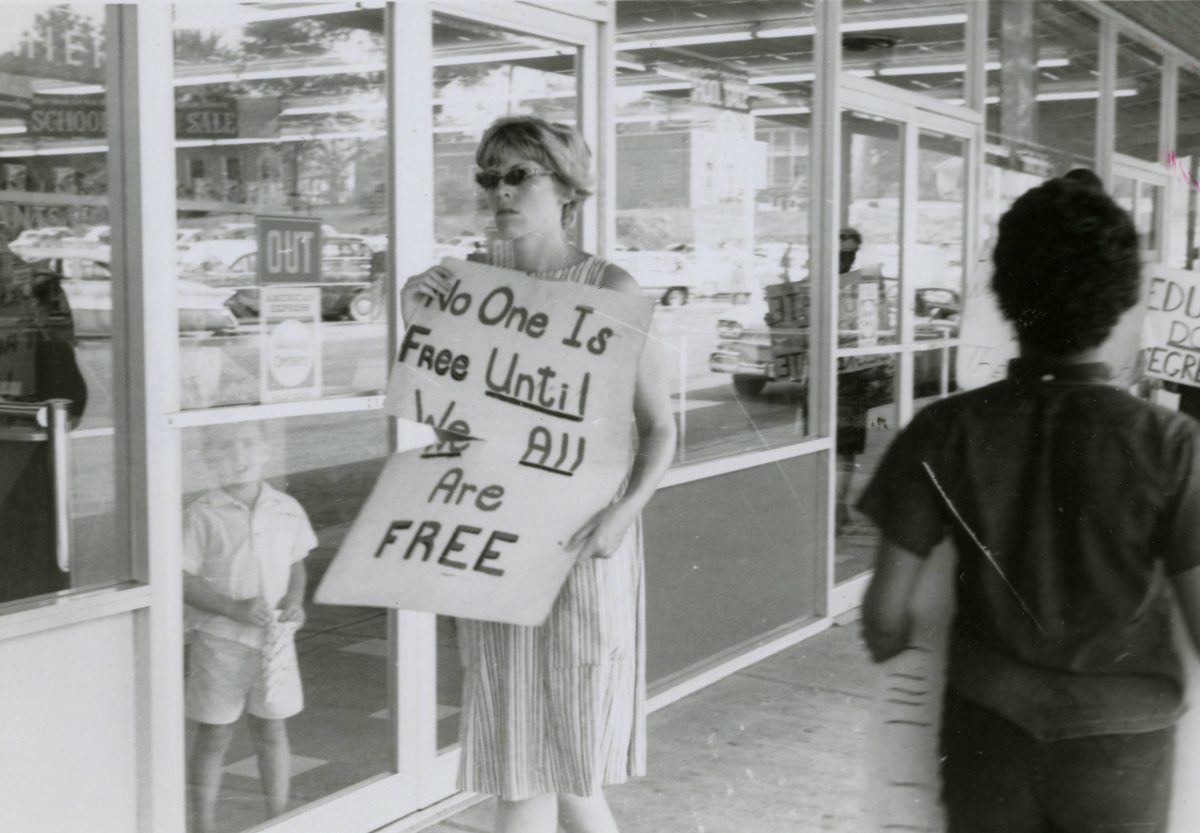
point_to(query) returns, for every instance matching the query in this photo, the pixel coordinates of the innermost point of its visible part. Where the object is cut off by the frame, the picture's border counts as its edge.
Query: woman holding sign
(553, 713)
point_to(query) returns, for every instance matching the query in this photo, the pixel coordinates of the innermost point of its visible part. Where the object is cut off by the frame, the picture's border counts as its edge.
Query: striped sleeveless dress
(560, 707)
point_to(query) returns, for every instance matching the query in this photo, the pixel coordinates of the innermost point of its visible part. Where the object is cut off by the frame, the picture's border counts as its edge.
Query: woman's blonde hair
(557, 147)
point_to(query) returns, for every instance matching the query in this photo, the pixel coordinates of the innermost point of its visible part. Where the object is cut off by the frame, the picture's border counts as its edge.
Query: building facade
(146, 149)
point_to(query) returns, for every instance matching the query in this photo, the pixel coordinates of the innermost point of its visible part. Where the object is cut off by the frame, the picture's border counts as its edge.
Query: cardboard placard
(534, 382)
(1171, 332)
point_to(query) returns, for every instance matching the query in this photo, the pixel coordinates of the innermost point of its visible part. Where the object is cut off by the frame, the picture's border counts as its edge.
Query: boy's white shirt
(243, 553)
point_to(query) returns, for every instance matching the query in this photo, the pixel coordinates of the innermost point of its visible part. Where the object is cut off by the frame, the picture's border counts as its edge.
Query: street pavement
(780, 747)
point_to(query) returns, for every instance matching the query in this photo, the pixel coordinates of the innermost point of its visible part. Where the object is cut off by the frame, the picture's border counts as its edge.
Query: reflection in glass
(933, 375)
(872, 177)
(712, 213)
(254, 494)
(1183, 247)
(1042, 97)
(867, 419)
(280, 117)
(897, 42)
(1138, 94)
(937, 264)
(56, 300)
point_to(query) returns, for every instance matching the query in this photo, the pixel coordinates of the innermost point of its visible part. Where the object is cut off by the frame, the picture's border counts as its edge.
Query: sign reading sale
(530, 386)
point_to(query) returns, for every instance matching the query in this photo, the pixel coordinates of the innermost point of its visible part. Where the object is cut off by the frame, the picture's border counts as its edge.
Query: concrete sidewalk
(780, 747)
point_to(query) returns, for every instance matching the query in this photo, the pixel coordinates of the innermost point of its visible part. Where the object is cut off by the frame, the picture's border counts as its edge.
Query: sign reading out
(530, 386)
(1171, 333)
(289, 249)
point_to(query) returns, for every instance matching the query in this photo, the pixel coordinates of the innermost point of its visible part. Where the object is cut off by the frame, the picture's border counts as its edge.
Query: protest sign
(530, 385)
(1171, 333)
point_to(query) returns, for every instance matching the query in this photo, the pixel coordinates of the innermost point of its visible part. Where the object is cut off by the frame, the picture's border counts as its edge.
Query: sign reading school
(530, 386)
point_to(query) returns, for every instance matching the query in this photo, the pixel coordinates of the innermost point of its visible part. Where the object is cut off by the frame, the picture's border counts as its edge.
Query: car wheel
(749, 385)
(363, 307)
(676, 297)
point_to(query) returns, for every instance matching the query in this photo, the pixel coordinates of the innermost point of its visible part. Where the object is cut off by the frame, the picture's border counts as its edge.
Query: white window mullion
(145, 384)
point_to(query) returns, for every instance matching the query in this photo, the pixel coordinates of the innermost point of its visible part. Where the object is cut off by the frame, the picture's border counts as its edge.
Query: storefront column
(823, 228)
(1018, 72)
(141, 182)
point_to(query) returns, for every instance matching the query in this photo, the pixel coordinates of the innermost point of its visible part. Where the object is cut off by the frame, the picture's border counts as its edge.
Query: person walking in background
(244, 545)
(1072, 506)
(553, 713)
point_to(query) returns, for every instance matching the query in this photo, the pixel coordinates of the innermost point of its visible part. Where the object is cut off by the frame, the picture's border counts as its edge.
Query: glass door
(297, 216)
(903, 225)
(486, 64)
(281, 251)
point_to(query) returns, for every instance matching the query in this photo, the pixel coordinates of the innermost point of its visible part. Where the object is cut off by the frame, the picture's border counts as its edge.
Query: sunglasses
(514, 177)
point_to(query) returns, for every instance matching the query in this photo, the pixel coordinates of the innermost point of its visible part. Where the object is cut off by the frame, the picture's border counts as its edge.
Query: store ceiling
(1175, 21)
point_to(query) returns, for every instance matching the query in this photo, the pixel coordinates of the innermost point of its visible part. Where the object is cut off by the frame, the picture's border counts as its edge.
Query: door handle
(60, 466)
(53, 415)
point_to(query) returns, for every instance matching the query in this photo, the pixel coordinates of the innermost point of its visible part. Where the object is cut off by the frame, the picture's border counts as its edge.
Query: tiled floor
(777, 748)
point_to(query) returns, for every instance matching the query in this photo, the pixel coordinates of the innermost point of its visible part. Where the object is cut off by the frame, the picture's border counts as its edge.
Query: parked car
(351, 278)
(683, 272)
(37, 238)
(86, 280)
(752, 340)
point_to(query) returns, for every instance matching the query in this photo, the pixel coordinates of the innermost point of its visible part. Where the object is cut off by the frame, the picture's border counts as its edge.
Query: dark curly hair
(1067, 266)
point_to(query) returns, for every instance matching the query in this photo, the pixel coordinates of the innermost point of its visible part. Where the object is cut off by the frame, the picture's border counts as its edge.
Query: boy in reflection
(37, 362)
(244, 548)
(1071, 504)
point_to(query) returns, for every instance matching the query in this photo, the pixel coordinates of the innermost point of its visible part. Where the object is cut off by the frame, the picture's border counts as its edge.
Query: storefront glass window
(937, 264)
(872, 181)
(56, 304)
(1143, 202)
(867, 419)
(1183, 247)
(281, 150)
(1041, 100)
(916, 47)
(1138, 95)
(258, 496)
(713, 134)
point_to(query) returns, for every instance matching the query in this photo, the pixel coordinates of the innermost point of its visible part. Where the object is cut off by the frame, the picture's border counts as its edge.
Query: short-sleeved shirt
(243, 552)
(1085, 498)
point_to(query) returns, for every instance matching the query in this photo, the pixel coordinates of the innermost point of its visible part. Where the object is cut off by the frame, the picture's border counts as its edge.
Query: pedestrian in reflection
(37, 363)
(1070, 504)
(854, 389)
(244, 579)
(553, 713)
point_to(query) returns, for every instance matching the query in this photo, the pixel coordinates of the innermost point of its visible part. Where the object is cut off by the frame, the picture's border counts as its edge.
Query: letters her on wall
(531, 384)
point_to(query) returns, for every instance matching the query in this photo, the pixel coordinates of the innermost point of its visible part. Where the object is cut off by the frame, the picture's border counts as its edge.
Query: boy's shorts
(226, 677)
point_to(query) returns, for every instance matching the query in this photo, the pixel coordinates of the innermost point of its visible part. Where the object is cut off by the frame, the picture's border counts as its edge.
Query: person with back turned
(1073, 507)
